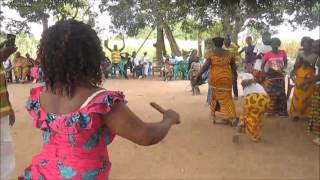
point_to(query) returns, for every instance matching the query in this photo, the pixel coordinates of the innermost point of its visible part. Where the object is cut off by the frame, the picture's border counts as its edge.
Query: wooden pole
(145, 39)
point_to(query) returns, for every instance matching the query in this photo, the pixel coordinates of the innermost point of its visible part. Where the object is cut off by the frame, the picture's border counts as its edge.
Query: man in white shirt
(137, 66)
(259, 50)
(146, 63)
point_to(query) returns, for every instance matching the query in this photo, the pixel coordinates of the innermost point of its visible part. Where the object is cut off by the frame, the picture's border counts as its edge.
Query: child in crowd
(193, 72)
(76, 116)
(168, 69)
(123, 67)
(256, 102)
(35, 72)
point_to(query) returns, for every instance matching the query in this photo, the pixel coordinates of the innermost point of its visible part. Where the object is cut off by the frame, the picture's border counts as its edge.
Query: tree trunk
(237, 28)
(232, 25)
(160, 46)
(173, 44)
(208, 47)
(233, 30)
(226, 24)
(44, 21)
(199, 44)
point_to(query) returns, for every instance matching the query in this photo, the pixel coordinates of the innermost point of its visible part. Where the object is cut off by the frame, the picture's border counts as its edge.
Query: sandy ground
(195, 149)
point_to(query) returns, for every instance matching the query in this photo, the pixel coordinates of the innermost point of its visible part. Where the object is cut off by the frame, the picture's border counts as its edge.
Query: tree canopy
(131, 16)
(235, 15)
(40, 10)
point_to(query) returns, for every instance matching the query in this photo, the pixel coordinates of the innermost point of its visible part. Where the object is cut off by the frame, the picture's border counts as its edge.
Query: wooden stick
(157, 107)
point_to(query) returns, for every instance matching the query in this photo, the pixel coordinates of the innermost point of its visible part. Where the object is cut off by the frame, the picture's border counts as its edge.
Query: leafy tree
(13, 26)
(201, 32)
(130, 16)
(40, 10)
(236, 15)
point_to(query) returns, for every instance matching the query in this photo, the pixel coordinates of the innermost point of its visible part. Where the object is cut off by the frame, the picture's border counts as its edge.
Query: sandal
(234, 122)
(240, 128)
(283, 114)
(221, 121)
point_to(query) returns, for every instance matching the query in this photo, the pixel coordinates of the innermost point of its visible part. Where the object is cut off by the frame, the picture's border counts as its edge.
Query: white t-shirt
(136, 61)
(145, 59)
(260, 48)
(179, 58)
(6, 64)
(253, 88)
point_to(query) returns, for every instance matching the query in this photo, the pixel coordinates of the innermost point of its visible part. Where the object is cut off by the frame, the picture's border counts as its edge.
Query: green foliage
(25, 44)
(291, 47)
(40, 10)
(216, 29)
(235, 15)
(260, 13)
(130, 16)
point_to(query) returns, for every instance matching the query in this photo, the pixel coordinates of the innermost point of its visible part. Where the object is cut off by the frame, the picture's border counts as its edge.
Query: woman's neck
(62, 90)
(307, 51)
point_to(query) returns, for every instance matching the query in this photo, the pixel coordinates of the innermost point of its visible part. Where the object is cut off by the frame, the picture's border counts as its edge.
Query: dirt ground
(195, 149)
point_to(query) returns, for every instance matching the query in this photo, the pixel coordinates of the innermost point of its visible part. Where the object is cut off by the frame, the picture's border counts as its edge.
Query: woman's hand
(6, 52)
(123, 122)
(171, 116)
(292, 75)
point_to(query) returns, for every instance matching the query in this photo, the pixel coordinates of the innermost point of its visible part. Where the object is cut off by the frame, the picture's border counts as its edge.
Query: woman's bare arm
(123, 45)
(233, 65)
(106, 44)
(204, 68)
(123, 122)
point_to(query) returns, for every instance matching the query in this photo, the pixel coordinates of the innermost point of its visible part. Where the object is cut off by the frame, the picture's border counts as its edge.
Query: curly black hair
(70, 54)
(218, 41)
(276, 40)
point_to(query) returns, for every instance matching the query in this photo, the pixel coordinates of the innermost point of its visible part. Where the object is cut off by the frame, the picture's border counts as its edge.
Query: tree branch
(75, 15)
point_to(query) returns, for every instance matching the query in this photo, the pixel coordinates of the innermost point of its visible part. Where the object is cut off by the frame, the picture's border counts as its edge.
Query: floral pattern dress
(74, 144)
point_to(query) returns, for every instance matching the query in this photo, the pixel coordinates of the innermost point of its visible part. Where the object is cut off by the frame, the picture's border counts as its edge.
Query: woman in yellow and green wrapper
(314, 121)
(256, 101)
(304, 68)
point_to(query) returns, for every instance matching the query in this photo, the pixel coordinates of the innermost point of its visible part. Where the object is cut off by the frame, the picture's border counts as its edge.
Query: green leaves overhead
(39, 11)
(132, 15)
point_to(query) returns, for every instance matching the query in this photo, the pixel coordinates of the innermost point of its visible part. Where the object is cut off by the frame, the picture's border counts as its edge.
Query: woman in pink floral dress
(77, 118)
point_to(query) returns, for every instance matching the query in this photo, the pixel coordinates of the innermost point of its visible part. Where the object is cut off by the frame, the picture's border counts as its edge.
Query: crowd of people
(24, 69)
(78, 118)
(121, 62)
(74, 111)
(263, 83)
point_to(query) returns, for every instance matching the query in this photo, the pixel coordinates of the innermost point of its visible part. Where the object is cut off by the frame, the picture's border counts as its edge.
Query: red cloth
(35, 72)
(74, 143)
(275, 61)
